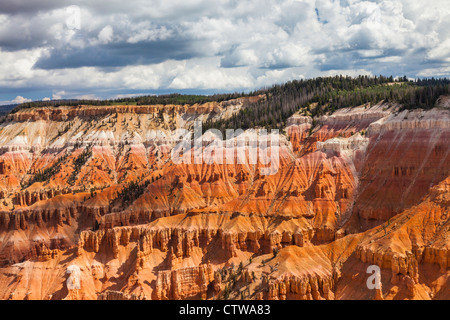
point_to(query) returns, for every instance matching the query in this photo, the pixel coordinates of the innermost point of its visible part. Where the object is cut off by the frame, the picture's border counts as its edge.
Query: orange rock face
(93, 201)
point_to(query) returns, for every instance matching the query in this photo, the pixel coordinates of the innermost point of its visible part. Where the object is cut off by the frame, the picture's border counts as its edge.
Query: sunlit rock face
(100, 202)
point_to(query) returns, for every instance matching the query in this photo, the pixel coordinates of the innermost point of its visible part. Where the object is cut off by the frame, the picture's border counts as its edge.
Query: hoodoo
(93, 201)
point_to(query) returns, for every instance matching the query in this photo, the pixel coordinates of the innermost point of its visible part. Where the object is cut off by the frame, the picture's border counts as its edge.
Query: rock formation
(94, 201)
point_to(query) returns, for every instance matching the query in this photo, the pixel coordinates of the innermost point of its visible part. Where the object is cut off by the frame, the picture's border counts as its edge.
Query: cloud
(15, 7)
(87, 97)
(213, 45)
(435, 72)
(119, 54)
(210, 76)
(441, 52)
(58, 95)
(128, 95)
(16, 100)
(106, 34)
(20, 99)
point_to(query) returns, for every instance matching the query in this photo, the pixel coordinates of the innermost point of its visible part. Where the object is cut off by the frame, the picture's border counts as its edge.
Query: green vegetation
(226, 293)
(61, 132)
(131, 191)
(78, 163)
(46, 174)
(275, 252)
(176, 99)
(320, 96)
(312, 97)
(96, 226)
(179, 99)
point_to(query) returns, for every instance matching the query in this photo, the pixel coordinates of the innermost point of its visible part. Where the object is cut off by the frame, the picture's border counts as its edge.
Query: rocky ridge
(97, 187)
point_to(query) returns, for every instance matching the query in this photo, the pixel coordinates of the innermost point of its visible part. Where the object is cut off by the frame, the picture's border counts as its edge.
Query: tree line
(175, 99)
(78, 163)
(46, 174)
(313, 97)
(320, 96)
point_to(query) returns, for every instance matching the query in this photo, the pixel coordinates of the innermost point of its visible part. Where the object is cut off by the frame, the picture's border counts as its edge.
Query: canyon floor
(93, 206)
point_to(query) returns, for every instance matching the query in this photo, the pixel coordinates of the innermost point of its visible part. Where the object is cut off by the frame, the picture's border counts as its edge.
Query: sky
(106, 49)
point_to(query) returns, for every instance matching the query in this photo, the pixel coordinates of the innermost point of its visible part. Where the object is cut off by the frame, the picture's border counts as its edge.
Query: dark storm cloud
(221, 44)
(119, 54)
(31, 7)
(18, 39)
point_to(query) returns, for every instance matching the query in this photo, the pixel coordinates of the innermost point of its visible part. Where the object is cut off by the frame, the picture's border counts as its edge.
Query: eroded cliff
(97, 190)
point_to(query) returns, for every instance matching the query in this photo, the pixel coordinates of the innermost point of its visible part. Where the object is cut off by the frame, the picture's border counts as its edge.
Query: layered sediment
(98, 189)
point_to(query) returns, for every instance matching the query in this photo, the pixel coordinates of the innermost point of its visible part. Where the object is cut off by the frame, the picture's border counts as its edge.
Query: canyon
(93, 205)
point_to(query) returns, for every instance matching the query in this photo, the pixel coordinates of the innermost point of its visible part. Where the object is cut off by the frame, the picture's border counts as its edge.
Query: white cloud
(20, 99)
(87, 97)
(222, 45)
(16, 100)
(16, 68)
(353, 73)
(106, 34)
(441, 52)
(145, 31)
(208, 77)
(128, 95)
(58, 95)
(435, 72)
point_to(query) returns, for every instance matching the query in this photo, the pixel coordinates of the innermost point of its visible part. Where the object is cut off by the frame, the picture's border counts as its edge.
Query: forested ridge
(175, 99)
(320, 96)
(313, 97)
